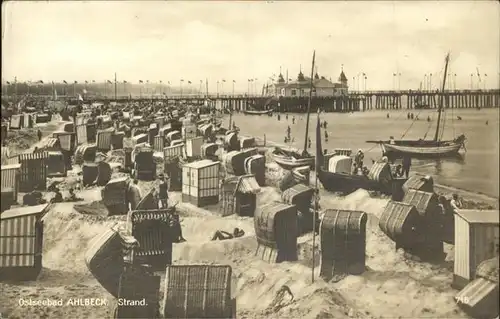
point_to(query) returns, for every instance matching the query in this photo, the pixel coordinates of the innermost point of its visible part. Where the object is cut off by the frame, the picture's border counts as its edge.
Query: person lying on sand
(223, 235)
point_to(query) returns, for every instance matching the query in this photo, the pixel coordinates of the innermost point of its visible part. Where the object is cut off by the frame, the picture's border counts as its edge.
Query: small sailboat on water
(426, 148)
(289, 159)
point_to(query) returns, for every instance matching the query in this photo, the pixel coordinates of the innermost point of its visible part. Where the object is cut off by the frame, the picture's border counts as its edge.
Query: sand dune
(392, 286)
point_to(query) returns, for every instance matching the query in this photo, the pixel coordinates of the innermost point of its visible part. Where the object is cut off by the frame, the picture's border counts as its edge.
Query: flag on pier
(76, 82)
(223, 80)
(109, 82)
(189, 82)
(40, 82)
(125, 82)
(86, 82)
(478, 75)
(64, 81)
(140, 81)
(93, 81)
(8, 82)
(234, 81)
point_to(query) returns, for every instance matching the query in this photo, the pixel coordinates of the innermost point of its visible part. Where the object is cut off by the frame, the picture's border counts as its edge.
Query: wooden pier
(353, 102)
(393, 100)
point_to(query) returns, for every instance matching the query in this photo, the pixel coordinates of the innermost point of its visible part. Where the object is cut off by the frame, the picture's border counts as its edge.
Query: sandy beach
(392, 286)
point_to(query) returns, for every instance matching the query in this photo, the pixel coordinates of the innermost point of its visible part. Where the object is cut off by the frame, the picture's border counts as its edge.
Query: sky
(191, 40)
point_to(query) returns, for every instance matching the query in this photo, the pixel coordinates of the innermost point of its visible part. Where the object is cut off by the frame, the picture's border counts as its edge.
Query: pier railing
(121, 96)
(354, 101)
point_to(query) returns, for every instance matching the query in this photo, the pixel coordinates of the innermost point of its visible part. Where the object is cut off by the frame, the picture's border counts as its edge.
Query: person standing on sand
(288, 132)
(39, 133)
(175, 226)
(326, 136)
(163, 191)
(359, 158)
(455, 203)
(406, 165)
(293, 120)
(309, 143)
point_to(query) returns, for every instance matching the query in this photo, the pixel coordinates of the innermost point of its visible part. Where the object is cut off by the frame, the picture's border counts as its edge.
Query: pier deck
(354, 101)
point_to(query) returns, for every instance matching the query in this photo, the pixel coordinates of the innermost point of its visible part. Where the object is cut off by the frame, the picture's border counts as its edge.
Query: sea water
(476, 170)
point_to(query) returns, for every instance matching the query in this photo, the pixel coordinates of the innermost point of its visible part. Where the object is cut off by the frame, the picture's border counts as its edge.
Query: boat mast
(441, 96)
(309, 102)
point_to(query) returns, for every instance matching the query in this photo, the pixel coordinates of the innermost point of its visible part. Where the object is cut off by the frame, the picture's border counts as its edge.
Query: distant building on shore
(301, 86)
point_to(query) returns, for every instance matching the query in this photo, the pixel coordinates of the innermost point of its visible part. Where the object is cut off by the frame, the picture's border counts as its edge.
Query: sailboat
(289, 159)
(426, 148)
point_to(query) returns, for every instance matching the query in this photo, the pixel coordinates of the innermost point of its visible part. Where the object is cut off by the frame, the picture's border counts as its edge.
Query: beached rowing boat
(288, 159)
(422, 148)
(253, 112)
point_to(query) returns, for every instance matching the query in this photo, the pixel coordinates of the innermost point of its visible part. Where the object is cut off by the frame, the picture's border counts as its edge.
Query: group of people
(411, 116)
(58, 197)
